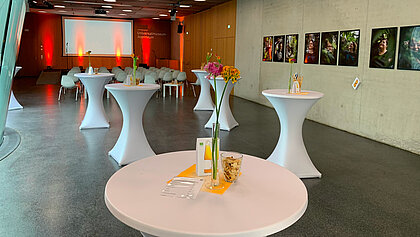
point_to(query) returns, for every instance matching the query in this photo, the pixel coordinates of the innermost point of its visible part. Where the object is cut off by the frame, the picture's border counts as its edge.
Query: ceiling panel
(139, 8)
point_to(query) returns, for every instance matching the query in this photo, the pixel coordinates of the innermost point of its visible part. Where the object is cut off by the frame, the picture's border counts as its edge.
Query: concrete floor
(53, 184)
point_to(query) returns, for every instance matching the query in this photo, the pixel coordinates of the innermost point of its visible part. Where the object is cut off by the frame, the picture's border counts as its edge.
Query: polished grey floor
(53, 183)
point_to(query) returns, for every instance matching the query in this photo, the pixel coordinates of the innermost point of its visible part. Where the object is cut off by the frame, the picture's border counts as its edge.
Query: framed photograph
(291, 47)
(382, 48)
(278, 48)
(409, 48)
(329, 42)
(311, 48)
(349, 48)
(268, 48)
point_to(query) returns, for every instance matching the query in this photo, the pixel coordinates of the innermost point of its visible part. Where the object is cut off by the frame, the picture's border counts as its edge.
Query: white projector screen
(104, 37)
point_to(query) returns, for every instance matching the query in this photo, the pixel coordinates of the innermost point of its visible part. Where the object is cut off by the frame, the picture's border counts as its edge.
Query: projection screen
(104, 37)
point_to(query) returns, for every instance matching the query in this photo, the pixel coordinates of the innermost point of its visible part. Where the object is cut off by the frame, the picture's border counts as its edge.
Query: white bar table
(132, 143)
(266, 199)
(13, 103)
(226, 119)
(205, 101)
(95, 113)
(290, 151)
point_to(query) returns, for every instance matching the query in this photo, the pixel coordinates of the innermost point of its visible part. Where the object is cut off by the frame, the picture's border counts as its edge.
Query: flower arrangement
(291, 61)
(135, 58)
(229, 73)
(88, 53)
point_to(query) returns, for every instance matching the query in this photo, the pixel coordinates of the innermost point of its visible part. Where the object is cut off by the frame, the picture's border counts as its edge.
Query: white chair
(182, 77)
(68, 83)
(150, 79)
(161, 74)
(114, 69)
(128, 70)
(175, 74)
(103, 70)
(121, 76)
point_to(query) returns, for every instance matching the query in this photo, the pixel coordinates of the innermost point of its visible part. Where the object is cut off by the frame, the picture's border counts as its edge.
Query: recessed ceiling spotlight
(35, 2)
(122, 14)
(163, 14)
(59, 6)
(171, 10)
(184, 5)
(156, 18)
(106, 6)
(199, 0)
(107, 11)
(110, 0)
(42, 11)
(127, 10)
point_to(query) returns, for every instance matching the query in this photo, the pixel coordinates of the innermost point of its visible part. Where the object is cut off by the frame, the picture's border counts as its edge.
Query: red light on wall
(118, 44)
(80, 42)
(118, 57)
(145, 46)
(80, 56)
(48, 44)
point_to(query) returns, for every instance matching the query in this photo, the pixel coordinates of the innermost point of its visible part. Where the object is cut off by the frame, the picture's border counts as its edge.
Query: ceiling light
(199, 0)
(35, 2)
(42, 11)
(110, 0)
(184, 5)
(59, 6)
(172, 10)
(156, 18)
(163, 14)
(62, 11)
(122, 14)
(127, 10)
(107, 6)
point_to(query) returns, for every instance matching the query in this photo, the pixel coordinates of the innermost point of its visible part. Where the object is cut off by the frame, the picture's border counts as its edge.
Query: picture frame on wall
(409, 48)
(329, 43)
(312, 48)
(268, 48)
(278, 55)
(292, 42)
(349, 48)
(383, 47)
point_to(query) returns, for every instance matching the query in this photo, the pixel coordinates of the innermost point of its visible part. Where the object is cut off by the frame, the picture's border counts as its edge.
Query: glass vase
(215, 183)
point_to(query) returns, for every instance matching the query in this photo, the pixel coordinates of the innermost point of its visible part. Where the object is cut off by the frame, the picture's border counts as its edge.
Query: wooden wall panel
(42, 36)
(208, 30)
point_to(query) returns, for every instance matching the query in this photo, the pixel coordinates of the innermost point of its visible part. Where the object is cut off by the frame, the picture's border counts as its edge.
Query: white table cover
(267, 198)
(132, 143)
(204, 101)
(290, 151)
(226, 119)
(95, 113)
(13, 103)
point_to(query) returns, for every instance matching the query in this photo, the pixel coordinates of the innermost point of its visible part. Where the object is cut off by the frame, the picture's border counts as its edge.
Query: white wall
(386, 107)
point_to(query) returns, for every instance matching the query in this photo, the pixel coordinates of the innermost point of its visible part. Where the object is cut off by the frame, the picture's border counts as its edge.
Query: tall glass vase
(215, 183)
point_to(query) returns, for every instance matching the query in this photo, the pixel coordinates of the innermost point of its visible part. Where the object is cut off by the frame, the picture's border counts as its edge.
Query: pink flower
(214, 68)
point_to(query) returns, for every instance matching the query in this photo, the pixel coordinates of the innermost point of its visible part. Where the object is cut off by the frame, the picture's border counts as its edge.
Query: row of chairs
(69, 81)
(149, 76)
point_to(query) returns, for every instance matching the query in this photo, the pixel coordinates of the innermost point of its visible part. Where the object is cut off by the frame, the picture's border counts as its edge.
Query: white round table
(290, 151)
(204, 101)
(132, 143)
(13, 103)
(226, 119)
(95, 113)
(267, 198)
